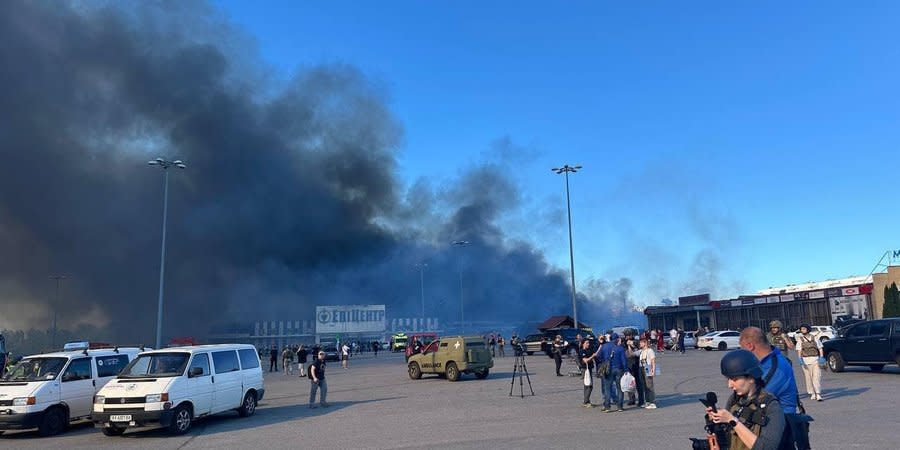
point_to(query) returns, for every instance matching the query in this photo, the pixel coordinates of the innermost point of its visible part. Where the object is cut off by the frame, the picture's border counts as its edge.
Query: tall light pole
(165, 165)
(422, 267)
(55, 308)
(462, 316)
(565, 170)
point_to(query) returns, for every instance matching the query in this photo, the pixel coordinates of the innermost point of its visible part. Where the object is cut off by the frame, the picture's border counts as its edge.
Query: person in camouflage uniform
(777, 337)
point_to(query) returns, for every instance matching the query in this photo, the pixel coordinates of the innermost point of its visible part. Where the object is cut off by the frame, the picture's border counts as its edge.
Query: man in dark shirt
(317, 381)
(302, 353)
(586, 357)
(273, 359)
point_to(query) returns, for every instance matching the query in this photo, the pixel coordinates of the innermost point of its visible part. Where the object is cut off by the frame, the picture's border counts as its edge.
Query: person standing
(302, 353)
(493, 346)
(375, 346)
(648, 371)
(632, 355)
(287, 360)
(681, 334)
(660, 341)
(586, 356)
(317, 382)
(273, 359)
(809, 349)
(345, 355)
(755, 416)
(673, 336)
(501, 343)
(612, 387)
(777, 338)
(557, 349)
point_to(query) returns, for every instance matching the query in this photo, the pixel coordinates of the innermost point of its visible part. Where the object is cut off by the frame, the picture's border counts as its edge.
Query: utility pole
(55, 309)
(462, 316)
(565, 170)
(165, 165)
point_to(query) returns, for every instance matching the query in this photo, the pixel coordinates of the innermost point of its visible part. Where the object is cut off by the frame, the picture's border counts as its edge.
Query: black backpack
(309, 370)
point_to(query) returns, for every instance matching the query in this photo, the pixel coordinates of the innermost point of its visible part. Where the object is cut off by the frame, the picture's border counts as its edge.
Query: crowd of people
(298, 354)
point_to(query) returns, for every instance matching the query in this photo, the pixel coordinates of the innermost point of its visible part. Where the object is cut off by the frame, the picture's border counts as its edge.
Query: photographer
(559, 346)
(754, 417)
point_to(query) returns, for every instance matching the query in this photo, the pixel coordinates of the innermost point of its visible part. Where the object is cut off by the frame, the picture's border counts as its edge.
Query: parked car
(569, 335)
(820, 332)
(720, 340)
(534, 343)
(873, 343)
(49, 391)
(172, 387)
(331, 352)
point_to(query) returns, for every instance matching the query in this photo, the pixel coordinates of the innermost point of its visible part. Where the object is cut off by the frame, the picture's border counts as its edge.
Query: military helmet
(776, 324)
(739, 363)
(805, 325)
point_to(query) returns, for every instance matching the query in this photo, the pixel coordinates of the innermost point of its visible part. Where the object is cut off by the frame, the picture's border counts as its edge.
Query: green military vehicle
(452, 356)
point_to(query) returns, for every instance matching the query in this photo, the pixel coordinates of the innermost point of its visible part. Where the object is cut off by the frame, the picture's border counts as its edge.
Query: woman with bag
(648, 372)
(811, 356)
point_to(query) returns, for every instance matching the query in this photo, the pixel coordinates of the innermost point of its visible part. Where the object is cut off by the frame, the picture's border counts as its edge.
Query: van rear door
(227, 380)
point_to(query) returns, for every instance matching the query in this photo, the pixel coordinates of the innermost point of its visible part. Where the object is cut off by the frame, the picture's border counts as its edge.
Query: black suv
(872, 343)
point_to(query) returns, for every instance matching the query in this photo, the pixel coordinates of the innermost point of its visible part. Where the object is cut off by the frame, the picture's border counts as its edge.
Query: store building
(822, 303)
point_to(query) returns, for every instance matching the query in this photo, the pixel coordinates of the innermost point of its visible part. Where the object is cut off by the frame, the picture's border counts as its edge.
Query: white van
(49, 391)
(172, 387)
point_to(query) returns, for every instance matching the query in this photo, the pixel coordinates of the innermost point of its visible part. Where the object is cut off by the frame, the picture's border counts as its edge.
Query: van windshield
(36, 369)
(156, 365)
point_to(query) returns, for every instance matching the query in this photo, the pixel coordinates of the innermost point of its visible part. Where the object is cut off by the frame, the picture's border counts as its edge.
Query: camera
(518, 348)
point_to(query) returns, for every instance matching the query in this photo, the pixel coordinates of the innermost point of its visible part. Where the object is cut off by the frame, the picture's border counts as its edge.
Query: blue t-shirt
(782, 384)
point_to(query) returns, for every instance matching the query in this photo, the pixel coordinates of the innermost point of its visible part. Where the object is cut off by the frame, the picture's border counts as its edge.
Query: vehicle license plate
(120, 418)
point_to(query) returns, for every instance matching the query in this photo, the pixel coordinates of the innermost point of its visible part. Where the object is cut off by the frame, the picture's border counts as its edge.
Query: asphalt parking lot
(376, 405)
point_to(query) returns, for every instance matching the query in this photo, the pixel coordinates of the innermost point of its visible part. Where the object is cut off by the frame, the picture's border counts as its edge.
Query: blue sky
(759, 137)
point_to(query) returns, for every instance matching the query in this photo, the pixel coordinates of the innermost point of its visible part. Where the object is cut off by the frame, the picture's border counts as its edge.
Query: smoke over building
(291, 197)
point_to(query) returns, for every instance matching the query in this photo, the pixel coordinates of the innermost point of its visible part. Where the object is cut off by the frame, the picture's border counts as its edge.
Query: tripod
(520, 369)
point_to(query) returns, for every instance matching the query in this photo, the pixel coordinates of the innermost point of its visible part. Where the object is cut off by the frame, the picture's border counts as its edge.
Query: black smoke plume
(290, 198)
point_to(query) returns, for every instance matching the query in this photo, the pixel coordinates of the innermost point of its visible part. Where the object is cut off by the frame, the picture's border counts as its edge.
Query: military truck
(451, 356)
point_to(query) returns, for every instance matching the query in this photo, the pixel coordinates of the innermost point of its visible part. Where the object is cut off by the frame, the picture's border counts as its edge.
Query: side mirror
(195, 372)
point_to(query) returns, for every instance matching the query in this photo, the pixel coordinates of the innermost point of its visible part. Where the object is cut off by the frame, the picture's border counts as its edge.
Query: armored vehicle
(452, 356)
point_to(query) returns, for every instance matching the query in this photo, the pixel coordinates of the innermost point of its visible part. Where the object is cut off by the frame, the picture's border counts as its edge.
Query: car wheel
(529, 353)
(823, 338)
(876, 367)
(723, 346)
(835, 362)
(113, 431)
(54, 421)
(452, 372)
(181, 420)
(415, 372)
(248, 406)
(482, 374)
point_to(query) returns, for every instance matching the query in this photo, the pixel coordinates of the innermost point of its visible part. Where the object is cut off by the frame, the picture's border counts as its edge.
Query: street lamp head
(460, 242)
(153, 163)
(179, 164)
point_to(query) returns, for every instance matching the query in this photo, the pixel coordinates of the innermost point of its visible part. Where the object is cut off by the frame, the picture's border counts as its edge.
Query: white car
(821, 332)
(174, 386)
(49, 391)
(720, 340)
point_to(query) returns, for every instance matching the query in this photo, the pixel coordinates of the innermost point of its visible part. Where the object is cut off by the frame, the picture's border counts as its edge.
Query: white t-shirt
(345, 349)
(648, 361)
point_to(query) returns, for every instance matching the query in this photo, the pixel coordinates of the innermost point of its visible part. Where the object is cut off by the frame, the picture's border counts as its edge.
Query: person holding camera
(559, 346)
(753, 416)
